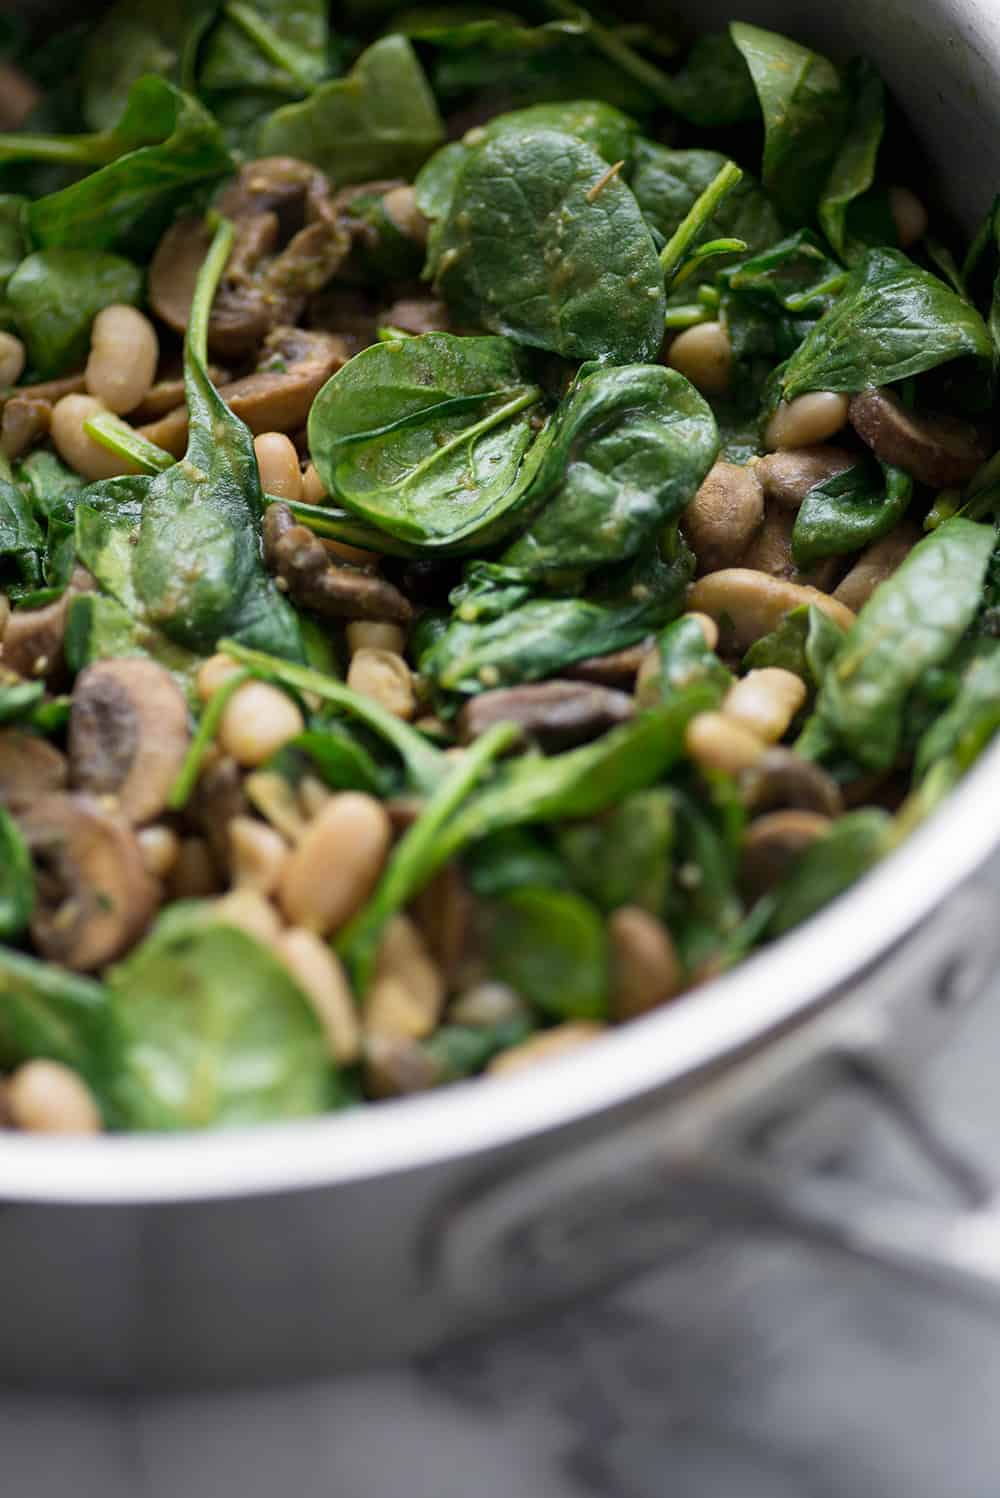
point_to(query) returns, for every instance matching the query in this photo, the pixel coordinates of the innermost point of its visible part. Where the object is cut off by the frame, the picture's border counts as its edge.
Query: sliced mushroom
(770, 551)
(94, 896)
(316, 582)
(168, 393)
(773, 843)
(724, 515)
(747, 605)
(617, 669)
(937, 450)
(788, 476)
(874, 565)
(29, 767)
(275, 399)
(557, 714)
(33, 639)
(51, 390)
(418, 314)
(128, 735)
(781, 779)
(25, 421)
(218, 800)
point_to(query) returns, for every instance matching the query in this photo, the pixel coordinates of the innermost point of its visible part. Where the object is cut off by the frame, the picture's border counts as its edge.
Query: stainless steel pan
(313, 1246)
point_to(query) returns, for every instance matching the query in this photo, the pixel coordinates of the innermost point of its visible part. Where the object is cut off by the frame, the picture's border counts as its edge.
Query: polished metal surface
(328, 1244)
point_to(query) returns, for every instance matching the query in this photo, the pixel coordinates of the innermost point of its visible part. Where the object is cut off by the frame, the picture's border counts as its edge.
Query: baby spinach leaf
(625, 856)
(687, 661)
(893, 320)
(379, 121)
(854, 844)
(200, 1051)
(853, 170)
(54, 296)
(341, 762)
(48, 1012)
(968, 724)
(849, 511)
(794, 276)
(271, 46)
(714, 86)
(704, 910)
(805, 107)
(910, 623)
(14, 245)
(627, 450)
(426, 438)
(542, 245)
(20, 533)
(500, 636)
(608, 131)
(170, 144)
(463, 1050)
(17, 882)
(132, 38)
(805, 642)
(510, 858)
(551, 947)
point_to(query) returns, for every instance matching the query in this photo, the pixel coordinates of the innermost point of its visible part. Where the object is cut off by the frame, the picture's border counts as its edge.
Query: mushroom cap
(33, 638)
(556, 713)
(940, 451)
(29, 767)
(128, 734)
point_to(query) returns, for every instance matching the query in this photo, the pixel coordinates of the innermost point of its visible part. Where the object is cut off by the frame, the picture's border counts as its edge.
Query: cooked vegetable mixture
(497, 521)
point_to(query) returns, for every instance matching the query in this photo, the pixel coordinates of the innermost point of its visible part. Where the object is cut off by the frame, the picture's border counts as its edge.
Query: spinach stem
(707, 252)
(187, 776)
(697, 217)
(686, 316)
(342, 525)
(414, 860)
(118, 437)
(267, 41)
(660, 84)
(96, 149)
(208, 281)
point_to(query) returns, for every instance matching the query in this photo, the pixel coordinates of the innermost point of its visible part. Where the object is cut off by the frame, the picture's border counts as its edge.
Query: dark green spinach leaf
(277, 46)
(48, 1012)
(552, 948)
(967, 725)
(806, 641)
(624, 857)
(853, 170)
(850, 511)
(17, 882)
(854, 844)
(54, 296)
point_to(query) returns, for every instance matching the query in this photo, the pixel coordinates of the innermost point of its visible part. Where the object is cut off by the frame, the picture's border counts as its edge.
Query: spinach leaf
(542, 245)
(793, 276)
(893, 320)
(17, 881)
(462, 1050)
(968, 724)
(805, 642)
(48, 1012)
(687, 661)
(509, 859)
(805, 107)
(912, 622)
(825, 870)
(853, 170)
(342, 763)
(849, 511)
(499, 636)
(20, 533)
(626, 452)
(14, 245)
(704, 910)
(272, 46)
(199, 1050)
(426, 438)
(552, 948)
(379, 121)
(608, 131)
(54, 296)
(714, 86)
(624, 857)
(170, 143)
(132, 38)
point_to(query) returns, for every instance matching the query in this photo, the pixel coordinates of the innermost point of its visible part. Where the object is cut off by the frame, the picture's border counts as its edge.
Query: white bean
(704, 355)
(124, 353)
(45, 1097)
(336, 864)
(807, 420)
(407, 992)
(545, 1045)
(76, 448)
(646, 968)
(717, 742)
(313, 492)
(257, 721)
(766, 701)
(278, 462)
(256, 855)
(159, 847)
(251, 912)
(384, 676)
(12, 359)
(212, 673)
(320, 975)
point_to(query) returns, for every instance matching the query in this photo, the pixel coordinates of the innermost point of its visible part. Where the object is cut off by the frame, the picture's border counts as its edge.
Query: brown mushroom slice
(33, 639)
(168, 393)
(770, 551)
(282, 185)
(51, 390)
(724, 515)
(787, 476)
(619, 668)
(874, 565)
(29, 767)
(747, 605)
(936, 450)
(418, 314)
(25, 421)
(316, 582)
(781, 779)
(557, 714)
(128, 734)
(772, 844)
(217, 801)
(94, 896)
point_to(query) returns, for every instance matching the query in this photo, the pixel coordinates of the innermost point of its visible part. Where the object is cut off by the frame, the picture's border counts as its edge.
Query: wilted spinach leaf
(973, 717)
(54, 296)
(608, 131)
(623, 857)
(552, 948)
(805, 642)
(853, 170)
(131, 38)
(686, 661)
(854, 844)
(14, 245)
(17, 882)
(849, 511)
(714, 86)
(269, 46)
(48, 1012)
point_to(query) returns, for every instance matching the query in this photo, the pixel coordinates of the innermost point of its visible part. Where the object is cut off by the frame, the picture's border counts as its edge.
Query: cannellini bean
(407, 992)
(257, 721)
(709, 628)
(212, 673)
(313, 796)
(750, 604)
(335, 867)
(124, 353)
(704, 355)
(724, 515)
(45, 1097)
(546, 1045)
(908, 214)
(646, 970)
(12, 359)
(85, 456)
(271, 795)
(807, 421)
(194, 873)
(486, 1003)
(256, 855)
(313, 492)
(278, 462)
(766, 700)
(717, 742)
(400, 203)
(159, 847)
(384, 676)
(249, 911)
(320, 975)
(375, 634)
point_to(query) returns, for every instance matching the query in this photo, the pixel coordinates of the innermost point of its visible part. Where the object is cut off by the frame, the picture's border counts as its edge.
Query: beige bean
(485, 1004)
(545, 1046)
(85, 456)
(874, 565)
(45, 1097)
(375, 634)
(384, 676)
(276, 800)
(400, 203)
(717, 742)
(278, 463)
(766, 700)
(320, 974)
(313, 796)
(194, 873)
(257, 721)
(407, 992)
(256, 855)
(704, 355)
(335, 867)
(724, 515)
(212, 673)
(646, 970)
(159, 847)
(124, 353)
(908, 214)
(709, 628)
(749, 604)
(251, 912)
(12, 359)
(807, 421)
(313, 492)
